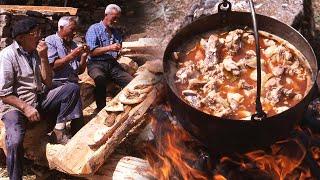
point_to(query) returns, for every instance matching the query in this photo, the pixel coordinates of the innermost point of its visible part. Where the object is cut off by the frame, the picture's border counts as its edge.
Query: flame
(171, 157)
(219, 177)
(286, 156)
(316, 154)
(283, 160)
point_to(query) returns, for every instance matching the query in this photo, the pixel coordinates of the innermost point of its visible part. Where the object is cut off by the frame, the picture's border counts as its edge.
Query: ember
(174, 154)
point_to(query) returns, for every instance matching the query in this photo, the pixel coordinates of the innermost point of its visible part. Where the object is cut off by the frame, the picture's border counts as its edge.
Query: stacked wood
(43, 9)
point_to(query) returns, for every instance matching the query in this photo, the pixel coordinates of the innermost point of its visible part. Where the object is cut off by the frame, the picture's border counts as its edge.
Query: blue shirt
(57, 50)
(98, 36)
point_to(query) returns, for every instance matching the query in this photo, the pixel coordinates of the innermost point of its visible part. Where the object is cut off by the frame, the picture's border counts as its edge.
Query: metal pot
(223, 135)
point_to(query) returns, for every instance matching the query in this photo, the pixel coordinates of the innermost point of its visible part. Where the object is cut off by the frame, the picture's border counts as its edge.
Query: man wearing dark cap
(25, 94)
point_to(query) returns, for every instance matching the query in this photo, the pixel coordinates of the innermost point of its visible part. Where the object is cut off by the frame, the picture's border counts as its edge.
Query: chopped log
(47, 9)
(34, 141)
(143, 49)
(2, 137)
(128, 64)
(123, 167)
(80, 158)
(142, 44)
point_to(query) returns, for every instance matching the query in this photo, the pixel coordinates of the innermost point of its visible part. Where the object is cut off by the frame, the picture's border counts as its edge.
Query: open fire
(174, 154)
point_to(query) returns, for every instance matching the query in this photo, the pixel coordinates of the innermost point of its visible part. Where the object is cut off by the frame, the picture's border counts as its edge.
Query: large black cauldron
(226, 135)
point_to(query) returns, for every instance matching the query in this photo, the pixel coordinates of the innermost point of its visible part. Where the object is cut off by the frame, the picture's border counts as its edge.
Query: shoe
(76, 125)
(61, 136)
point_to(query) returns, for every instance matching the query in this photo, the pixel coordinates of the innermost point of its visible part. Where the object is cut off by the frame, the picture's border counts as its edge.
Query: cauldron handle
(260, 115)
(223, 9)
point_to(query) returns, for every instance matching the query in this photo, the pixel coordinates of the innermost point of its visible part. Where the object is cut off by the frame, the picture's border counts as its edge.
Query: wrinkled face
(113, 17)
(33, 38)
(69, 31)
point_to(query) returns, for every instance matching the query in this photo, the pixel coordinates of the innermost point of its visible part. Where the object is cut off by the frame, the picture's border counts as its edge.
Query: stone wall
(48, 22)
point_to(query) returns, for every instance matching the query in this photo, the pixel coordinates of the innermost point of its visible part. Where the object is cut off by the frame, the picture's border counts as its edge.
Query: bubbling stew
(217, 74)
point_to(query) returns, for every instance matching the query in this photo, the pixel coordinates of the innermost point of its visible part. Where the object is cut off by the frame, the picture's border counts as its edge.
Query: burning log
(168, 155)
(172, 154)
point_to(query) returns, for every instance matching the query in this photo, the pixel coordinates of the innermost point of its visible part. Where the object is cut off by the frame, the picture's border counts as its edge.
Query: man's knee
(100, 80)
(124, 78)
(14, 140)
(71, 88)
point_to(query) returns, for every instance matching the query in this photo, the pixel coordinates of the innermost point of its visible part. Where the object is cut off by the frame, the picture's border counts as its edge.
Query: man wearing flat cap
(25, 94)
(105, 43)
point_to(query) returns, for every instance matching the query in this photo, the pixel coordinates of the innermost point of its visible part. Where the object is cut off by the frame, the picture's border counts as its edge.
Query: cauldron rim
(259, 16)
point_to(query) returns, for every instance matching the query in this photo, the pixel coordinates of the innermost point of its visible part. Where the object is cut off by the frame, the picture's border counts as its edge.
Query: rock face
(290, 12)
(5, 25)
(314, 24)
(303, 15)
(286, 11)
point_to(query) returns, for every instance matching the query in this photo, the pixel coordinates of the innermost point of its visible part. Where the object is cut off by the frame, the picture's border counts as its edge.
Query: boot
(76, 125)
(61, 136)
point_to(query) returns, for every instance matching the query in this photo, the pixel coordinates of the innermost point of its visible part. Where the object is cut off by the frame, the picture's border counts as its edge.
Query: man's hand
(115, 47)
(85, 51)
(31, 113)
(77, 52)
(42, 49)
(84, 55)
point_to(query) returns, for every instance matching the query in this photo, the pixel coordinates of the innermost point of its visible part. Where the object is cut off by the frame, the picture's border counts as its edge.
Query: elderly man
(24, 71)
(105, 43)
(67, 59)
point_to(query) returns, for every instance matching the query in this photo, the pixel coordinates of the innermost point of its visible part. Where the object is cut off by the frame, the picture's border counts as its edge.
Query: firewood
(47, 9)
(123, 167)
(2, 137)
(142, 44)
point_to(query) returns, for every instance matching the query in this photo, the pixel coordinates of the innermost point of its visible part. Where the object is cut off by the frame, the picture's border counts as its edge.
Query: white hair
(65, 21)
(110, 7)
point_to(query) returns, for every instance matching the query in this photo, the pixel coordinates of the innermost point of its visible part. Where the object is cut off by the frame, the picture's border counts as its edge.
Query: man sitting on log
(67, 60)
(105, 43)
(25, 93)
